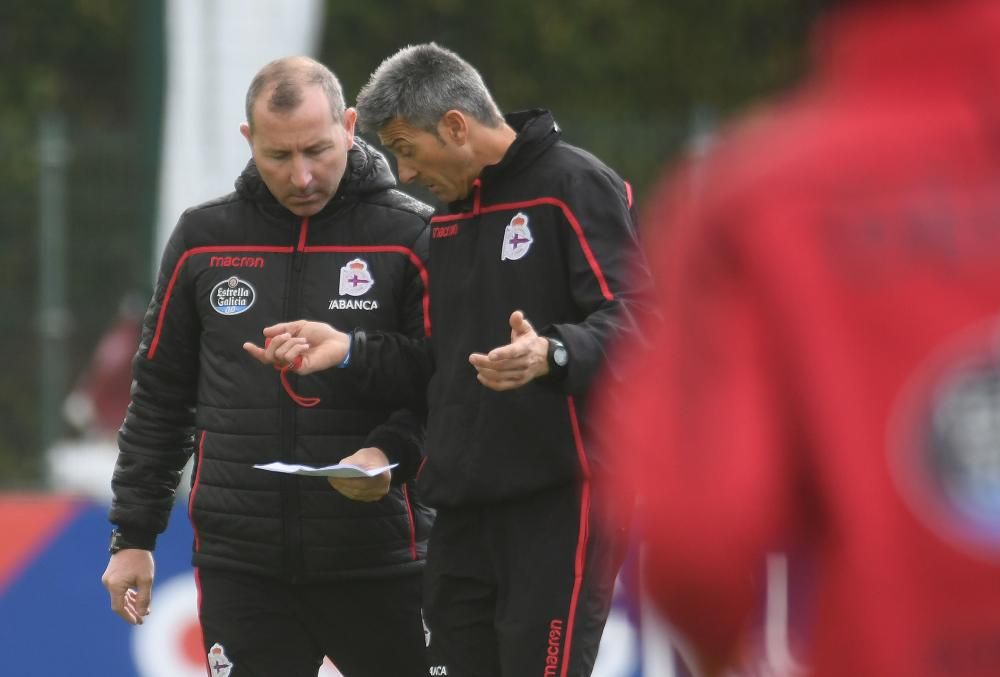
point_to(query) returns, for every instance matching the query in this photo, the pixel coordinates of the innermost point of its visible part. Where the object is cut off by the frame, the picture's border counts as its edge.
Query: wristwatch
(558, 357)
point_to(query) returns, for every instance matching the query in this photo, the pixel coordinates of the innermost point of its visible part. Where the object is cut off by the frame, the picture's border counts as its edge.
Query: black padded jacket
(233, 266)
(549, 230)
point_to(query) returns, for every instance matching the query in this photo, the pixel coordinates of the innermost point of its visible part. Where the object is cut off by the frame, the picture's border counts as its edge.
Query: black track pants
(265, 628)
(523, 589)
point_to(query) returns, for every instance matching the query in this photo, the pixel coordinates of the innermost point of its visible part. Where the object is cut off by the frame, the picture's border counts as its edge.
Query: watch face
(559, 356)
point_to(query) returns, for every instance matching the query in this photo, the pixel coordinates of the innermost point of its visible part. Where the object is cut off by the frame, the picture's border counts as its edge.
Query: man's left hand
(525, 358)
(366, 489)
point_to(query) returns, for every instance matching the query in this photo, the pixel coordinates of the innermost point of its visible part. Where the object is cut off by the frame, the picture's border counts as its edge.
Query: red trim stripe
(583, 535)
(194, 490)
(197, 586)
(375, 249)
(452, 217)
(413, 525)
(303, 234)
(567, 212)
(581, 455)
(177, 269)
(628, 194)
(420, 468)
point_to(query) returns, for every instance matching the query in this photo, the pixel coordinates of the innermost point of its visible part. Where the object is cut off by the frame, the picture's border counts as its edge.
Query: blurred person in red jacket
(95, 405)
(824, 377)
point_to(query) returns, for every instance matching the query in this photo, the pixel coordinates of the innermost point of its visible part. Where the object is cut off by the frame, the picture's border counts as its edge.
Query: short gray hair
(290, 75)
(419, 84)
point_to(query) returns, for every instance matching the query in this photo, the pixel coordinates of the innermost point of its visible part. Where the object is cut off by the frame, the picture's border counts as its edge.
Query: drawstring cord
(298, 399)
(283, 373)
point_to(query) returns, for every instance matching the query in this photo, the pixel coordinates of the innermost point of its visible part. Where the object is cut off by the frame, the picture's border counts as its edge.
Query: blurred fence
(106, 253)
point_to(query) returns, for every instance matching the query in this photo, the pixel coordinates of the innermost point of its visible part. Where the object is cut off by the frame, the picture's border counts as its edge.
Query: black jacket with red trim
(232, 267)
(548, 230)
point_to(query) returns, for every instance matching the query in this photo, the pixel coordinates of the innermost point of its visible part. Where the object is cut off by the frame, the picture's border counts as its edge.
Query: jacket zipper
(291, 506)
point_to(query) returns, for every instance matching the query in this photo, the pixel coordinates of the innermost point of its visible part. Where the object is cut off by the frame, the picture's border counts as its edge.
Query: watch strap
(131, 539)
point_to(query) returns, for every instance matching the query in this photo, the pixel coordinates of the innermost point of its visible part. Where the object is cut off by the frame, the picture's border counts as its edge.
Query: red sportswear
(825, 376)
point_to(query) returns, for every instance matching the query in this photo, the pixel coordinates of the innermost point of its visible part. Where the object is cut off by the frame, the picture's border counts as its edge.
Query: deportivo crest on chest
(218, 662)
(516, 238)
(355, 278)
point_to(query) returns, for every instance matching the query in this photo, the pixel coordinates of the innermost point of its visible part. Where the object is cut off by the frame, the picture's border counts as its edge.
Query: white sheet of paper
(339, 470)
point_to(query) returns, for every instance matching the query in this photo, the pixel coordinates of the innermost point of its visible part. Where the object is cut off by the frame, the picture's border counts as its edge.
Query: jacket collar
(536, 131)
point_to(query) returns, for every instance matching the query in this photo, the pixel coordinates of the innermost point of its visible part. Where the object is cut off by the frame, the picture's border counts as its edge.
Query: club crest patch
(232, 296)
(516, 238)
(355, 278)
(220, 665)
(946, 441)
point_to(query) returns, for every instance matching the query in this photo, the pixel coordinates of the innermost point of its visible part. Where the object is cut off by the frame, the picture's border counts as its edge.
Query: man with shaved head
(289, 569)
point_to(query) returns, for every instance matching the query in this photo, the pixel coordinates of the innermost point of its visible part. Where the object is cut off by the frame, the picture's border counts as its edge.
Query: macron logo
(236, 262)
(554, 648)
(444, 231)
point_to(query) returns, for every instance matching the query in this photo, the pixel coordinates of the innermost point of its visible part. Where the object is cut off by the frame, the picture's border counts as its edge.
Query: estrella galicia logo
(232, 296)
(947, 449)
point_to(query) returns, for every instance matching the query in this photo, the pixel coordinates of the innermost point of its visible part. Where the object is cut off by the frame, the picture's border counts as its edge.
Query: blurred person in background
(824, 376)
(522, 561)
(95, 405)
(288, 569)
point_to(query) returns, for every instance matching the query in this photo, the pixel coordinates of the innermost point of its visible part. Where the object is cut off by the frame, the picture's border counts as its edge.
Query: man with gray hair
(528, 538)
(289, 569)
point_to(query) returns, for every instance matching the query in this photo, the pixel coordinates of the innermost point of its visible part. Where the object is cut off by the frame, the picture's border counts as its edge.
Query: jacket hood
(367, 172)
(536, 131)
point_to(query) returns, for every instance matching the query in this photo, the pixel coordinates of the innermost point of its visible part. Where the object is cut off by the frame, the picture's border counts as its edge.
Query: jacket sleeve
(609, 278)
(157, 436)
(401, 437)
(393, 367)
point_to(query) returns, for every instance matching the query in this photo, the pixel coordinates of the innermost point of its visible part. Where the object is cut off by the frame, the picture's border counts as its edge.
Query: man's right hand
(319, 345)
(129, 580)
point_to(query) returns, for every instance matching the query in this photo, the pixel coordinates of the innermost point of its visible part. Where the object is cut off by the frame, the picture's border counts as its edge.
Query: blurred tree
(624, 79)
